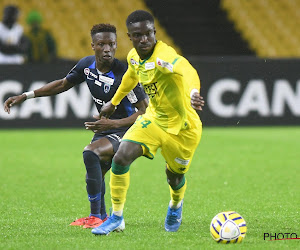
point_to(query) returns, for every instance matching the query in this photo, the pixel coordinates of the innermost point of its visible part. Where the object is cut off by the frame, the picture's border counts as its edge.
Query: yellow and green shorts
(178, 150)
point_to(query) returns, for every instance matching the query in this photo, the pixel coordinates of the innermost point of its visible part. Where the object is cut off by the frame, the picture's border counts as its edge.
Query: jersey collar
(141, 62)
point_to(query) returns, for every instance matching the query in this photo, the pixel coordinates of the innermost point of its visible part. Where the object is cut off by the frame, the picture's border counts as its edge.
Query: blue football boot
(113, 223)
(173, 219)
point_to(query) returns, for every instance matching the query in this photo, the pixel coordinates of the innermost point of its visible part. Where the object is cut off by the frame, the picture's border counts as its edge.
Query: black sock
(103, 207)
(93, 180)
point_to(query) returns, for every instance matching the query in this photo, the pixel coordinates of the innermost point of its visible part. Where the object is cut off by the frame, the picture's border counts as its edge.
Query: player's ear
(129, 36)
(93, 45)
(154, 31)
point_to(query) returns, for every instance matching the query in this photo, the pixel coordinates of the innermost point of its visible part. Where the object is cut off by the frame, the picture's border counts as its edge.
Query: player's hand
(197, 101)
(12, 101)
(107, 110)
(100, 125)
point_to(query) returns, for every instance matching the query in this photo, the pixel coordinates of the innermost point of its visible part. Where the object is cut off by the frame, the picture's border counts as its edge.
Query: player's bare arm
(197, 101)
(107, 110)
(103, 124)
(52, 88)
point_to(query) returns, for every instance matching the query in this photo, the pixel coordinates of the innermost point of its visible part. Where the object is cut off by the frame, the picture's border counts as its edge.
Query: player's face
(142, 35)
(104, 44)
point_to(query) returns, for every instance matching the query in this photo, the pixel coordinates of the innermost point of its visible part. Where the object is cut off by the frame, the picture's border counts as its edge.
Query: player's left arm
(103, 124)
(189, 73)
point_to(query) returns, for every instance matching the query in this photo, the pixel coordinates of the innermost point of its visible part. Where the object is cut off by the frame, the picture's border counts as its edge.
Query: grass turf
(254, 171)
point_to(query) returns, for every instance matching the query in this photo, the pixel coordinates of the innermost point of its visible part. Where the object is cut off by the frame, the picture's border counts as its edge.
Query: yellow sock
(119, 184)
(177, 195)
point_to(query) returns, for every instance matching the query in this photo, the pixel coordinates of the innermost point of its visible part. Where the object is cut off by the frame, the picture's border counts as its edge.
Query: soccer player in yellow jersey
(170, 122)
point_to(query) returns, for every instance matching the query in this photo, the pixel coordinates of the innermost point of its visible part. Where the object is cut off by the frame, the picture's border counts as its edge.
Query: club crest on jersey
(106, 88)
(164, 64)
(133, 62)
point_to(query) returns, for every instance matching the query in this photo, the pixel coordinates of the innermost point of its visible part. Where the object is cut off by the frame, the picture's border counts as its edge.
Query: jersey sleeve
(189, 73)
(76, 75)
(136, 95)
(129, 82)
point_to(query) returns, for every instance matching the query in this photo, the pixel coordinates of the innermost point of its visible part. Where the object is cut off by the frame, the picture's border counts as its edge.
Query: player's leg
(140, 139)
(105, 166)
(95, 156)
(177, 185)
(119, 181)
(178, 152)
(119, 184)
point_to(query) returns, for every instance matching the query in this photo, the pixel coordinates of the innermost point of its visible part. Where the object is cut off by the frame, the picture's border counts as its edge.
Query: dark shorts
(114, 138)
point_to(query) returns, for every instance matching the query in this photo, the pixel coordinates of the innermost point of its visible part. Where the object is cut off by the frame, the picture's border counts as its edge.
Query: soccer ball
(228, 227)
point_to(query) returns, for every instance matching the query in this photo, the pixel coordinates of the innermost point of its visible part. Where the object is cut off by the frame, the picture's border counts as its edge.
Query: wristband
(194, 91)
(29, 94)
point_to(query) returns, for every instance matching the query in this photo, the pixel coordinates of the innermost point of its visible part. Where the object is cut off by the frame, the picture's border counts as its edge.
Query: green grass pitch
(254, 171)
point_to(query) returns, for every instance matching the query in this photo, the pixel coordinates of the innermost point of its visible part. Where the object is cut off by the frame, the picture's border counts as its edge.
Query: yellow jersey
(168, 79)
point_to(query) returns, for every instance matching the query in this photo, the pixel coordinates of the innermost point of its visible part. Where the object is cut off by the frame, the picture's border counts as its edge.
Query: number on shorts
(145, 123)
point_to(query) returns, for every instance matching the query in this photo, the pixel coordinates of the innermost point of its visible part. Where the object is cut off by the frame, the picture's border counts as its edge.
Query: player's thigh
(147, 134)
(127, 153)
(105, 145)
(178, 150)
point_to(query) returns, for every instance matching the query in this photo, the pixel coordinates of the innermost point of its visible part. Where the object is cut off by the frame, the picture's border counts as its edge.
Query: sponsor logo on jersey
(86, 71)
(164, 64)
(133, 62)
(151, 89)
(98, 83)
(98, 101)
(93, 75)
(182, 161)
(149, 65)
(132, 97)
(106, 79)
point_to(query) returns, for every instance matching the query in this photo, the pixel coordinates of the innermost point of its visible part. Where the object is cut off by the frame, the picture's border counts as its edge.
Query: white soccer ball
(228, 227)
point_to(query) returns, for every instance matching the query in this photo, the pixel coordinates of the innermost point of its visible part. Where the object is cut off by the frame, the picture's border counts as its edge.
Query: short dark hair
(103, 27)
(139, 16)
(11, 10)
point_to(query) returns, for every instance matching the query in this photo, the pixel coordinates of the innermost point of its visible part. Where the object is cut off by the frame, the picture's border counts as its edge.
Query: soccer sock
(119, 184)
(177, 193)
(93, 181)
(103, 208)
(95, 205)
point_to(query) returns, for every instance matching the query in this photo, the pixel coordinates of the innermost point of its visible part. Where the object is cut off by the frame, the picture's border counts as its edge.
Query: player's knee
(90, 148)
(174, 180)
(175, 183)
(121, 159)
(99, 152)
(90, 158)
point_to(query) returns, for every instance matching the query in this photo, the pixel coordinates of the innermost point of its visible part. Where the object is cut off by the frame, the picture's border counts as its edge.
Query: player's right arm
(52, 88)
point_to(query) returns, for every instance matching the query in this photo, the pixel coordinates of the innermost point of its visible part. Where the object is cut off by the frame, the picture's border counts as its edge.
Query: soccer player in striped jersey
(170, 122)
(103, 74)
